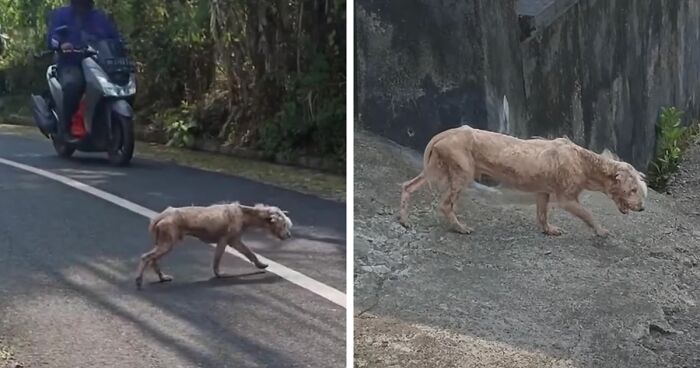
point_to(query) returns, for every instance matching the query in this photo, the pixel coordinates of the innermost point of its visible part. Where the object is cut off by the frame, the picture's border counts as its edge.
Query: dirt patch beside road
(391, 343)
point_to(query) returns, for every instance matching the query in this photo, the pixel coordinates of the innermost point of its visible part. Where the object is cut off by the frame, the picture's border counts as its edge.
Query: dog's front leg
(575, 208)
(239, 246)
(220, 248)
(542, 207)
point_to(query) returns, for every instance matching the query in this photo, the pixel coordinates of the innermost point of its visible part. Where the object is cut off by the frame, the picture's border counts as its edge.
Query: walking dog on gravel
(223, 224)
(555, 170)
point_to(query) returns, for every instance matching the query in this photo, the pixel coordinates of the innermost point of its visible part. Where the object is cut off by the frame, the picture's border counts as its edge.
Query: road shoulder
(307, 181)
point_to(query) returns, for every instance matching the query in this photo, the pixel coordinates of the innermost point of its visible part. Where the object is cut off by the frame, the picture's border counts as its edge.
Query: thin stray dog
(223, 224)
(555, 170)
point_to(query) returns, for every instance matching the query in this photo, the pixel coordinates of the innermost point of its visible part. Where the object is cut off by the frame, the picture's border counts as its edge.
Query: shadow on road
(67, 262)
(223, 281)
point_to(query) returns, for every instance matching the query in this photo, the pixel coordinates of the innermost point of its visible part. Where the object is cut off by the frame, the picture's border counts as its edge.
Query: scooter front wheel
(121, 148)
(62, 148)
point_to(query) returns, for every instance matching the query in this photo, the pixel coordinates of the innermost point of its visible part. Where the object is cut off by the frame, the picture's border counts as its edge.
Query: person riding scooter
(77, 19)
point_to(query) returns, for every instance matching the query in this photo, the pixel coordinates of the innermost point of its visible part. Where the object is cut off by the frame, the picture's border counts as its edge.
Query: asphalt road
(67, 262)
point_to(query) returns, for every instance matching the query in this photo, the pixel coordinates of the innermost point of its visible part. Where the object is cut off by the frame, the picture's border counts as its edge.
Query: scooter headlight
(114, 90)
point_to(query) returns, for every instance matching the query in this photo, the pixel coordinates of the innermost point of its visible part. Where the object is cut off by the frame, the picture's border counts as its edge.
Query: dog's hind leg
(154, 264)
(239, 246)
(143, 262)
(542, 207)
(575, 208)
(406, 189)
(148, 259)
(457, 179)
(448, 209)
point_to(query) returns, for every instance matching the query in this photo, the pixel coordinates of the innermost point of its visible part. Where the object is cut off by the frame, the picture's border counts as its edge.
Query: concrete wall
(418, 67)
(599, 73)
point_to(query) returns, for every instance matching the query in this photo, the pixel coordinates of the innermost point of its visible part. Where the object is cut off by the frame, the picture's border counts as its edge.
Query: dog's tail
(434, 168)
(152, 226)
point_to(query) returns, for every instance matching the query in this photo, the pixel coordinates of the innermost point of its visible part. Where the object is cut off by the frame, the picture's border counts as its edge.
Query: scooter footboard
(43, 117)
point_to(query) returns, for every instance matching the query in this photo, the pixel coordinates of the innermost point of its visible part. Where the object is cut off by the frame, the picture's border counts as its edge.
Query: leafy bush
(178, 124)
(180, 134)
(673, 139)
(309, 116)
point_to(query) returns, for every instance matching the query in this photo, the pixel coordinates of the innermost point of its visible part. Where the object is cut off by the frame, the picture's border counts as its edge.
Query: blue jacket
(95, 22)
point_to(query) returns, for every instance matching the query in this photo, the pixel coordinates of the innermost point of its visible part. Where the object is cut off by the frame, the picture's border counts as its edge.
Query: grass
(15, 105)
(302, 180)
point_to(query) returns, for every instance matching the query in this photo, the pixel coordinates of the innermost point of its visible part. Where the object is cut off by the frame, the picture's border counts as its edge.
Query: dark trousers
(72, 82)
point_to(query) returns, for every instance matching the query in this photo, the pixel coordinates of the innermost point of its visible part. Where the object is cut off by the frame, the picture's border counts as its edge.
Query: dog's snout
(285, 235)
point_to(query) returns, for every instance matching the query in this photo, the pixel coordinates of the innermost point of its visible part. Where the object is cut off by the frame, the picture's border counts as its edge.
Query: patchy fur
(554, 170)
(222, 224)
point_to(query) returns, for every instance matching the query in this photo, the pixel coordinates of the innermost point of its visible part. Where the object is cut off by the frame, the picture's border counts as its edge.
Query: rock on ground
(508, 296)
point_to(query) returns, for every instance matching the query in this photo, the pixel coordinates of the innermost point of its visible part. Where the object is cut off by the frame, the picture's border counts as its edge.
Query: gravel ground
(508, 296)
(7, 357)
(684, 187)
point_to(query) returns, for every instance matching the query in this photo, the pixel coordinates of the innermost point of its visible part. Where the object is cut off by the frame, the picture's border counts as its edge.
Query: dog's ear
(607, 154)
(623, 175)
(272, 217)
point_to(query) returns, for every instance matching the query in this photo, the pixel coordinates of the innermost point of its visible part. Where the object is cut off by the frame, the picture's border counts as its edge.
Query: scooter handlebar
(84, 51)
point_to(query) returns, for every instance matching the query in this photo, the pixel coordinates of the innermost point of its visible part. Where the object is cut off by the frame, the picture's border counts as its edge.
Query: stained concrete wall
(418, 67)
(599, 73)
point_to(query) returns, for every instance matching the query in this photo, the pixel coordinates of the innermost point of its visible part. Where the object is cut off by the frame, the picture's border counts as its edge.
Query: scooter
(104, 119)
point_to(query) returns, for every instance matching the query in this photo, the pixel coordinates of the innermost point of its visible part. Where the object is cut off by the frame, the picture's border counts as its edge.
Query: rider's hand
(67, 46)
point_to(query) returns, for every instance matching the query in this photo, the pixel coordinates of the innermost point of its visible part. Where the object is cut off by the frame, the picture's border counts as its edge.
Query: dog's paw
(261, 265)
(165, 278)
(553, 231)
(463, 230)
(139, 283)
(602, 232)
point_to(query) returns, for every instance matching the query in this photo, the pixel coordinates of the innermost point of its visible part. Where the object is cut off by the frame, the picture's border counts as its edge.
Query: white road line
(334, 295)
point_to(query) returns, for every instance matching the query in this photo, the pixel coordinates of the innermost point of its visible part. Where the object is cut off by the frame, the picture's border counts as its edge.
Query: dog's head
(277, 222)
(628, 189)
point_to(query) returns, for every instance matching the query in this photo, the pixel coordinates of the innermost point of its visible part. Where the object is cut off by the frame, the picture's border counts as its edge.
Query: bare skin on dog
(555, 170)
(222, 224)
